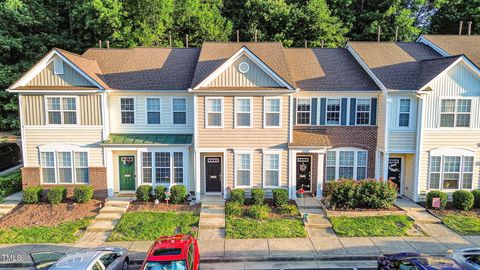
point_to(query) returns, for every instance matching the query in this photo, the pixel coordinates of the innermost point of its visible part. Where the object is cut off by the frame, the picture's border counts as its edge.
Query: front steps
(212, 218)
(10, 202)
(318, 224)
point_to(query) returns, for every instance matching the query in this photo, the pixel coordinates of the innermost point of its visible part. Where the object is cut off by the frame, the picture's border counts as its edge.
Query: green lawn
(145, 226)
(67, 232)
(248, 228)
(463, 224)
(394, 225)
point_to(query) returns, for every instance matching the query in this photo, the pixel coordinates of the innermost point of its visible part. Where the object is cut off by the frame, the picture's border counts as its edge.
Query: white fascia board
(366, 68)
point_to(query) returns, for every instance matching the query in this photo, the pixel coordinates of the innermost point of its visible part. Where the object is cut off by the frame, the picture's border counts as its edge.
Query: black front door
(304, 172)
(395, 171)
(213, 171)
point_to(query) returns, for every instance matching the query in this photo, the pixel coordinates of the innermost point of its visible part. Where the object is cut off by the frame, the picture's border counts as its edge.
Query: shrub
(258, 196)
(233, 209)
(476, 198)
(32, 194)
(288, 209)
(259, 211)
(342, 193)
(160, 193)
(238, 196)
(280, 197)
(376, 194)
(56, 195)
(83, 194)
(463, 200)
(143, 193)
(10, 184)
(437, 194)
(178, 194)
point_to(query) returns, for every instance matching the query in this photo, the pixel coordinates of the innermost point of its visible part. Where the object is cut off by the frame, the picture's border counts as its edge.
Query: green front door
(127, 172)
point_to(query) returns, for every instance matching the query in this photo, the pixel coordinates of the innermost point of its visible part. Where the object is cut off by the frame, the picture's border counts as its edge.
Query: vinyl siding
(70, 77)
(381, 114)
(33, 113)
(402, 141)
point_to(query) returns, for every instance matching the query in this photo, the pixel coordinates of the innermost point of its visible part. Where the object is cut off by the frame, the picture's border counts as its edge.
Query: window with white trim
(127, 107)
(243, 169)
(81, 167)
(404, 112)
(303, 111)
(166, 168)
(179, 108)
(363, 111)
(162, 168)
(214, 107)
(243, 112)
(58, 66)
(451, 172)
(271, 170)
(48, 167)
(64, 167)
(346, 163)
(455, 112)
(178, 167)
(153, 111)
(62, 110)
(147, 167)
(272, 112)
(333, 111)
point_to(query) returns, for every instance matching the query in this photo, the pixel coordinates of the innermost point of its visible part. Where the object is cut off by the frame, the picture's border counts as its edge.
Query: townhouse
(244, 115)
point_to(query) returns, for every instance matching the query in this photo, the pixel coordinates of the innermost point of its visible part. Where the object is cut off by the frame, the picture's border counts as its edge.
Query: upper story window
(153, 111)
(214, 112)
(179, 108)
(64, 167)
(243, 112)
(346, 163)
(127, 107)
(333, 111)
(455, 112)
(303, 111)
(451, 171)
(404, 112)
(272, 112)
(363, 111)
(62, 110)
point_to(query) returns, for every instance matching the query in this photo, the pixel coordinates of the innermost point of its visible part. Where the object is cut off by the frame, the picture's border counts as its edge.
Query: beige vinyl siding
(70, 77)
(381, 114)
(255, 137)
(33, 110)
(402, 141)
(232, 77)
(90, 110)
(87, 137)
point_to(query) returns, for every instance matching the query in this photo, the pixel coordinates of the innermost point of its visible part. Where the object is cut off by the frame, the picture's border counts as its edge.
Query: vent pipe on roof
(306, 43)
(322, 43)
(255, 35)
(396, 34)
(238, 36)
(170, 40)
(460, 28)
(100, 44)
(186, 40)
(379, 31)
(108, 44)
(469, 28)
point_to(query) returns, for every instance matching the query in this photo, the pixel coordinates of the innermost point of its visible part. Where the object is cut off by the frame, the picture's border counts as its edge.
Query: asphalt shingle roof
(455, 44)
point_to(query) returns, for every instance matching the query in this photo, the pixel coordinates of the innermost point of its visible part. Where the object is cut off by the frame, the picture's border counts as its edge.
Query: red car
(178, 252)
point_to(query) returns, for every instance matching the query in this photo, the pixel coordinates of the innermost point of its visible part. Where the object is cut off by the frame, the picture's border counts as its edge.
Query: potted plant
(300, 192)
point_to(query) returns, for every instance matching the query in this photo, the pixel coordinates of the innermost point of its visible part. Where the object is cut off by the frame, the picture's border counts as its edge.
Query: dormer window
(58, 66)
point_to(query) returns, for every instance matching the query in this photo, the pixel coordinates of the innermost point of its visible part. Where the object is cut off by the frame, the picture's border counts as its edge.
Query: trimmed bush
(288, 209)
(143, 193)
(437, 194)
(32, 194)
(83, 194)
(238, 196)
(178, 194)
(258, 196)
(258, 211)
(160, 193)
(463, 200)
(56, 195)
(233, 209)
(280, 197)
(476, 198)
(376, 194)
(342, 193)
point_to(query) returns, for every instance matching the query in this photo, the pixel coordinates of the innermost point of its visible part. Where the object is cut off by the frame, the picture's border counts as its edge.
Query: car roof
(77, 261)
(179, 241)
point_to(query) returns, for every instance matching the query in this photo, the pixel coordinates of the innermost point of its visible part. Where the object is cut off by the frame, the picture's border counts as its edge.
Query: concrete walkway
(212, 218)
(10, 202)
(318, 224)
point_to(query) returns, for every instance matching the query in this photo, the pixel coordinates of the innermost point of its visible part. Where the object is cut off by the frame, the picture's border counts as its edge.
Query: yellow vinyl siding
(70, 77)
(33, 110)
(90, 110)
(381, 113)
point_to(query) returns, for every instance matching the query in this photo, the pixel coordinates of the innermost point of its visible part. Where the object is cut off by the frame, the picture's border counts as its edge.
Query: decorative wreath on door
(127, 160)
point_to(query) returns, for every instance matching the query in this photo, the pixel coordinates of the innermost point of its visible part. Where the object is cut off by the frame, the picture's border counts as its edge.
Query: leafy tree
(446, 20)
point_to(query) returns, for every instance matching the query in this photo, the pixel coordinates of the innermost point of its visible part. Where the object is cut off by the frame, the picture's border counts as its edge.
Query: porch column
(224, 169)
(196, 170)
(109, 164)
(320, 167)
(293, 173)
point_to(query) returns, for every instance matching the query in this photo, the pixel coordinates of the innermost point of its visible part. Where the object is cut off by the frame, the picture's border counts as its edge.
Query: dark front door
(213, 171)
(126, 165)
(395, 171)
(304, 172)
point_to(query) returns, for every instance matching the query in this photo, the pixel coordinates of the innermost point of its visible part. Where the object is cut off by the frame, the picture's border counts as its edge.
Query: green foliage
(476, 198)
(238, 196)
(393, 225)
(446, 20)
(83, 194)
(258, 195)
(280, 197)
(463, 224)
(160, 192)
(248, 228)
(178, 194)
(288, 209)
(56, 195)
(258, 211)
(32, 194)
(342, 193)
(437, 194)
(143, 193)
(463, 200)
(233, 209)
(10, 184)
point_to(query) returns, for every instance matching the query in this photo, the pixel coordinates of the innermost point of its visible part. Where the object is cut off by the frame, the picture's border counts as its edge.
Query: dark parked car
(415, 261)
(9, 155)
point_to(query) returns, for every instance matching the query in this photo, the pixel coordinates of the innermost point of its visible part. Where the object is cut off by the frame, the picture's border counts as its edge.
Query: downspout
(419, 144)
(196, 157)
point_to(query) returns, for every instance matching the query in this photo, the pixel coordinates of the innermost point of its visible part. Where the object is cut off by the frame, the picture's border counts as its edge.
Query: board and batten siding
(70, 77)
(381, 114)
(33, 110)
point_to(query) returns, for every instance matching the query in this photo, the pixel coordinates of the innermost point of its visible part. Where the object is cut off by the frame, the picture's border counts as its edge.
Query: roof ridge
(76, 54)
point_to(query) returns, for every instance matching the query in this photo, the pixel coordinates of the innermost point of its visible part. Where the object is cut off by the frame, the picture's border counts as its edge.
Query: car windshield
(171, 265)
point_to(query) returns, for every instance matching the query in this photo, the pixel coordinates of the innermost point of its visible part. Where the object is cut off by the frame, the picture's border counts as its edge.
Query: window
(167, 168)
(48, 166)
(451, 172)
(243, 112)
(58, 66)
(271, 170)
(243, 169)
(127, 107)
(179, 111)
(64, 167)
(455, 113)
(272, 112)
(81, 167)
(162, 167)
(404, 113)
(303, 111)
(178, 167)
(62, 110)
(147, 167)
(333, 111)
(346, 163)
(153, 111)
(214, 112)
(363, 111)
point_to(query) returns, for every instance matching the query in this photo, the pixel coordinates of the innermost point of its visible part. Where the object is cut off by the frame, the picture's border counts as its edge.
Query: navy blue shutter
(323, 109)
(294, 111)
(313, 111)
(343, 118)
(373, 112)
(353, 111)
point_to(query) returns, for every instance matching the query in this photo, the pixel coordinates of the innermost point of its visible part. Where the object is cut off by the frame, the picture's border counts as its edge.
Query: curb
(15, 265)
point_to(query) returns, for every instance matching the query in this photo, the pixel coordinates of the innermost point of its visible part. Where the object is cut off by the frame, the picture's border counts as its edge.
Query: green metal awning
(168, 139)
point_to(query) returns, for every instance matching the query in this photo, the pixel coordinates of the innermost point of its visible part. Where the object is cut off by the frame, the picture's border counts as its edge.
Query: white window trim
(147, 111)
(265, 112)
(455, 113)
(134, 110)
(451, 152)
(271, 152)
(309, 112)
(77, 115)
(355, 161)
(236, 111)
(186, 111)
(153, 167)
(339, 112)
(58, 66)
(66, 148)
(356, 111)
(397, 125)
(235, 168)
(221, 112)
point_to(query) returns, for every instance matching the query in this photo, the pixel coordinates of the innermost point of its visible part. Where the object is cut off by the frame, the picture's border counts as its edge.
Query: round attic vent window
(244, 67)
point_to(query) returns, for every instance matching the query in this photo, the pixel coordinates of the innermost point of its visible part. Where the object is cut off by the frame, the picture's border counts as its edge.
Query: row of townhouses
(244, 115)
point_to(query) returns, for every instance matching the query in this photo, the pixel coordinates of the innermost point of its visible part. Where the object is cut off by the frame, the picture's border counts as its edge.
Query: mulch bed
(162, 207)
(451, 211)
(28, 215)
